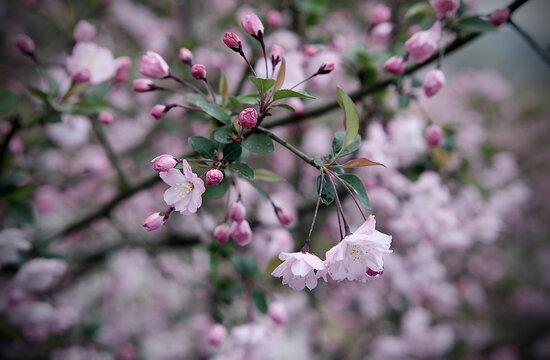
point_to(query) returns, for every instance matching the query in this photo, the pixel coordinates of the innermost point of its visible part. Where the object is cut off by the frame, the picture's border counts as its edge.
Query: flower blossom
(98, 60)
(154, 66)
(300, 269)
(359, 255)
(11, 242)
(422, 44)
(445, 7)
(39, 274)
(186, 189)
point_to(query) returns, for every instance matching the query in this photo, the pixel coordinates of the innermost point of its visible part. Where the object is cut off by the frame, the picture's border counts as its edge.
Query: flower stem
(184, 83)
(339, 207)
(305, 248)
(290, 147)
(540, 51)
(353, 196)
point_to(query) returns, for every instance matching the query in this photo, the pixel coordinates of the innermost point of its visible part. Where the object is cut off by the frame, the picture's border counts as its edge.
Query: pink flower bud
(277, 313)
(153, 65)
(105, 117)
(248, 118)
(214, 176)
(310, 50)
(143, 85)
(153, 221)
(158, 111)
(499, 16)
(123, 63)
(274, 18)
(381, 33)
(164, 162)
(241, 233)
(217, 334)
(277, 53)
(237, 212)
(232, 41)
(284, 216)
(326, 68)
(422, 44)
(253, 25)
(433, 82)
(198, 71)
(84, 31)
(395, 65)
(444, 7)
(82, 75)
(222, 233)
(434, 135)
(24, 44)
(380, 13)
(186, 56)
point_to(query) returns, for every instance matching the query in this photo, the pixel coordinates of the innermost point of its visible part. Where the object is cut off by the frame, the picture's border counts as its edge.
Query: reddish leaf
(360, 162)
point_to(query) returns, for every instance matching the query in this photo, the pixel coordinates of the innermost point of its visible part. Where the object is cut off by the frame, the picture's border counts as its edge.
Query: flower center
(356, 253)
(183, 189)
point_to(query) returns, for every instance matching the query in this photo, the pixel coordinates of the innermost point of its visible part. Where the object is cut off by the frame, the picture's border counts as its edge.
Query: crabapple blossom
(248, 118)
(24, 43)
(158, 111)
(222, 233)
(217, 334)
(143, 85)
(277, 312)
(422, 44)
(232, 41)
(105, 117)
(445, 7)
(186, 56)
(381, 33)
(186, 189)
(154, 66)
(395, 65)
(153, 221)
(84, 31)
(274, 18)
(39, 274)
(284, 216)
(164, 162)
(214, 176)
(499, 16)
(98, 60)
(71, 132)
(82, 76)
(380, 14)
(237, 212)
(434, 135)
(300, 269)
(359, 252)
(198, 71)
(241, 233)
(277, 53)
(310, 50)
(252, 25)
(433, 82)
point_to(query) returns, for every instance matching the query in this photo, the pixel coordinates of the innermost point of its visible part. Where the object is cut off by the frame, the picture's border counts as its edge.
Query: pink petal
(172, 177)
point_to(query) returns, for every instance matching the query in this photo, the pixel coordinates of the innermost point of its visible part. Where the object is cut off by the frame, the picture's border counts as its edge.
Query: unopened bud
(105, 117)
(198, 71)
(380, 14)
(277, 54)
(143, 85)
(284, 216)
(248, 118)
(434, 135)
(24, 43)
(499, 16)
(433, 82)
(241, 233)
(326, 68)
(253, 25)
(82, 76)
(310, 50)
(217, 334)
(158, 111)
(277, 313)
(214, 176)
(153, 65)
(186, 56)
(232, 41)
(395, 65)
(222, 233)
(153, 221)
(444, 7)
(164, 162)
(237, 212)
(84, 31)
(274, 18)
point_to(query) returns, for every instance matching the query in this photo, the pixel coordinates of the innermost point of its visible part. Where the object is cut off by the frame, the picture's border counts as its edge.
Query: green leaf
(285, 106)
(356, 185)
(7, 100)
(242, 169)
(327, 194)
(20, 212)
(259, 299)
(476, 24)
(403, 101)
(232, 152)
(216, 191)
(216, 111)
(245, 265)
(338, 142)
(222, 88)
(98, 92)
(205, 147)
(280, 75)
(287, 93)
(91, 106)
(249, 99)
(260, 143)
(351, 121)
(416, 82)
(223, 134)
(263, 85)
(267, 175)
(418, 9)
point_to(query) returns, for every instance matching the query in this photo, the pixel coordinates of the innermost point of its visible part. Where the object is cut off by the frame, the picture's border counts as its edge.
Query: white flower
(298, 268)
(98, 60)
(186, 189)
(11, 242)
(359, 255)
(71, 132)
(39, 274)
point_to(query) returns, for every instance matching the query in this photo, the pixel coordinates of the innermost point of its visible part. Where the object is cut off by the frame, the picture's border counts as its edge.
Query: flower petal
(172, 177)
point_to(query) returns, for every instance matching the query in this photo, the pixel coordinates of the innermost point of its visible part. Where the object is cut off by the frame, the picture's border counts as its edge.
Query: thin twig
(531, 42)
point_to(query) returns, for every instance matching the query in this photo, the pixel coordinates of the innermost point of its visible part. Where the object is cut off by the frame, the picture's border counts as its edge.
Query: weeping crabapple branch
(531, 42)
(106, 208)
(305, 248)
(287, 145)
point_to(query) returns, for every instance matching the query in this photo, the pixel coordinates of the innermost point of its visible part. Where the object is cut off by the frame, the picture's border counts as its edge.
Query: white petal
(172, 177)
(314, 261)
(171, 196)
(300, 268)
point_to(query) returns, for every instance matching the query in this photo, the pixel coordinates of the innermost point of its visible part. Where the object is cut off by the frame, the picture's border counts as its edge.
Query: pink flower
(198, 71)
(214, 176)
(153, 221)
(217, 334)
(39, 274)
(499, 16)
(326, 67)
(277, 313)
(84, 31)
(98, 60)
(252, 25)
(105, 117)
(82, 76)
(153, 65)
(395, 65)
(284, 216)
(186, 56)
(433, 82)
(356, 254)
(445, 7)
(310, 50)
(381, 33)
(277, 53)
(232, 41)
(237, 212)
(123, 63)
(300, 269)
(248, 118)
(380, 14)
(24, 43)
(274, 18)
(241, 233)
(186, 189)
(143, 85)
(422, 44)
(222, 233)
(158, 111)
(11, 242)
(434, 135)
(164, 162)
